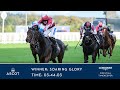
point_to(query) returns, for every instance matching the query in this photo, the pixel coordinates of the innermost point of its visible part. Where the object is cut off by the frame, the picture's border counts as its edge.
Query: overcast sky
(68, 13)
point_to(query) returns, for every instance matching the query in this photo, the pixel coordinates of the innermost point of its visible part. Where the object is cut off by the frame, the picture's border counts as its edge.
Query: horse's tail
(66, 47)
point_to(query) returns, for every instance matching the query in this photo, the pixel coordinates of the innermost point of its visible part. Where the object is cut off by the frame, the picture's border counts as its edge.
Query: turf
(21, 53)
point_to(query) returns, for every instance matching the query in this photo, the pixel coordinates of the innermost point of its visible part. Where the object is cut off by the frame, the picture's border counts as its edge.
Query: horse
(45, 52)
(109, 42)
(113, 39)
(90, 47)
(101, 39)
(34, 48)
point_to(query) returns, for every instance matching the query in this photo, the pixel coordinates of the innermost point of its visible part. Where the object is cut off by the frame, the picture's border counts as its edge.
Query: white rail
(20, 37)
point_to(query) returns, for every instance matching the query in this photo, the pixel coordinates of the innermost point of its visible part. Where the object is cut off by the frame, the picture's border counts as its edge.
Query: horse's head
(88, 38)
(105, 31)
(29, 35)
(37, 36)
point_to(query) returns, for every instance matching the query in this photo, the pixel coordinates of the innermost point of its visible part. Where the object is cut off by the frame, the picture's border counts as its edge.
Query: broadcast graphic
(70, 40)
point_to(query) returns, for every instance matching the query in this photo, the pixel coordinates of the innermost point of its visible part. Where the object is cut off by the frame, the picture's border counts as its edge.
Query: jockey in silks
(90, 27)
(99, 29)
(109, 30)
(46, 25)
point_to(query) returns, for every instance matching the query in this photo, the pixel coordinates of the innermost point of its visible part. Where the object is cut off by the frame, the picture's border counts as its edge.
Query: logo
(12, 72)
(105, 73)
(105, 68)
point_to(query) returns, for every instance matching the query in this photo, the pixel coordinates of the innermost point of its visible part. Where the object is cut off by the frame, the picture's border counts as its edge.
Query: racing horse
(41, 41)
(34, 48)
(90, 47)
(113, 39)
(109, 42)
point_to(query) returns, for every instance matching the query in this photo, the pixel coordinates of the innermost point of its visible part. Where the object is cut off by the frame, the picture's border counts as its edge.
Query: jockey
(90, 27)
(99, 27)
(35, 25)
(47, 25)
(86, 26)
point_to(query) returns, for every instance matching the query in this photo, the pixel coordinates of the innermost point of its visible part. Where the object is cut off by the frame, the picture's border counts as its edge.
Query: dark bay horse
(34, 48)
(109, 42)
(39, 37)
(90, 47)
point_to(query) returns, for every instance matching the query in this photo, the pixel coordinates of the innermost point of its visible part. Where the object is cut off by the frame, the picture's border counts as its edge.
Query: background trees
(13, 20)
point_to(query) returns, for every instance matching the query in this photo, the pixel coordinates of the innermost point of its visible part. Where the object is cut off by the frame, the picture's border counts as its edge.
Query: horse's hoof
(86, 62)
(104, 55)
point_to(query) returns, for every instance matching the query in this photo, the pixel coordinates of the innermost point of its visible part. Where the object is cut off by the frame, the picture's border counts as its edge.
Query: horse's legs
(110, 43)
(47, 58)
(94, 57)
(85, 58)
(60, 57)
(104, 52)
(98, 54)
(54, 61)
(110, 50)
(34, 55)
(100, 51)
(41, 60)
(59, 60)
